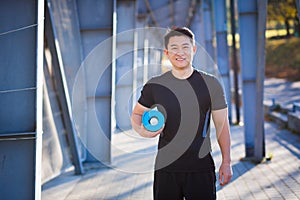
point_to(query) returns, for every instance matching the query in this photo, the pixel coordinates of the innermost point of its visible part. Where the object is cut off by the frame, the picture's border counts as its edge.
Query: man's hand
(137, 125)
(149, 134)
(225, 173)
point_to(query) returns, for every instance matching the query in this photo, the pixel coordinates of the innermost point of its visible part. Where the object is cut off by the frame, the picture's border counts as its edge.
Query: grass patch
(283, 58)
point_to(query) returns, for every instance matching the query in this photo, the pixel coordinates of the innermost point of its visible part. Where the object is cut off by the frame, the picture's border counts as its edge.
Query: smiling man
(188, 98)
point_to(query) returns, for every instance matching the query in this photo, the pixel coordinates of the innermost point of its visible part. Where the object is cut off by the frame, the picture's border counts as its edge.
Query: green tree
(283, 11)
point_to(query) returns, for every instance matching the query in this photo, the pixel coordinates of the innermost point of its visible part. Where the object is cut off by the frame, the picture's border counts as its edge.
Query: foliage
(280, 10)
(283, 12)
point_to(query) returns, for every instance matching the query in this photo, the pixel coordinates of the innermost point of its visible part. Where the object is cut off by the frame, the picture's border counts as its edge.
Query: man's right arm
(136, 122)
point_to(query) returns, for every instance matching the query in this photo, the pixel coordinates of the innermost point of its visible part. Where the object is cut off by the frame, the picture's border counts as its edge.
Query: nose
(180, 51)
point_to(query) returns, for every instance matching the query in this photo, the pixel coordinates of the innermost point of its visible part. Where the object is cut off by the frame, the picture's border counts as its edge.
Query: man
(184, 167)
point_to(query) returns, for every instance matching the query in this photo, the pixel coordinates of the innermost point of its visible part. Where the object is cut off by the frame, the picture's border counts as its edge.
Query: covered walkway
(71, 70)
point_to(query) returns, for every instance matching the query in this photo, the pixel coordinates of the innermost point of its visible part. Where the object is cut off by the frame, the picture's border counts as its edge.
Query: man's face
(180, 51)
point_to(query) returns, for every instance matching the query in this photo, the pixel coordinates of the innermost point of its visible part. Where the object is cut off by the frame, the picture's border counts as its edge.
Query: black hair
(178, 31)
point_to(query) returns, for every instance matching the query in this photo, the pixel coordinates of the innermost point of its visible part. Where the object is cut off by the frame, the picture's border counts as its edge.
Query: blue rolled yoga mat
(153, 120)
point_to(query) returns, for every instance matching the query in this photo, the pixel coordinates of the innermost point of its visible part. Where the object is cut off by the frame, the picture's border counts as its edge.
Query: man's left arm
(220, 118)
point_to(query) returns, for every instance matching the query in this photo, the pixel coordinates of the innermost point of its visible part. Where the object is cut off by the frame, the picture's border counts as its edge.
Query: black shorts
(188, 185)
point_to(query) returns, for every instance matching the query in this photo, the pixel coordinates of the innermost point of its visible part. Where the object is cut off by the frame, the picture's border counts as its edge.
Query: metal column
(96, 27)
(155, 47)
(234, 61)
(208, 28)
(222, 48)
(197, 26)
(66, 23)
(124, 62)
(139, 32)
(21, 78)
(62, 89)
(252, 33)
(201, 59)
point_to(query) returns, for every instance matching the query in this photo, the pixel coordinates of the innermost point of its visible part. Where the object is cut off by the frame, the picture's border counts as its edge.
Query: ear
(194, 48)
(166, 52)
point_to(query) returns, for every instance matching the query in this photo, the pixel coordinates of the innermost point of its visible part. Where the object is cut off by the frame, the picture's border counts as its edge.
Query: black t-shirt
(184, 144)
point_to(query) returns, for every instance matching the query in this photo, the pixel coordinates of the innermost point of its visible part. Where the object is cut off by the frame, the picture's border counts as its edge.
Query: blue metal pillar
(252, 33)
(124, 62)
(259, 141)
(208, 28)
(146, 58)
(62, 89)
(66, 25)
(113, 124)
(21, 95)
(138, 70)
(201, 59)
(222, 48)
(197, 26)
(96, 26)
(155, 66)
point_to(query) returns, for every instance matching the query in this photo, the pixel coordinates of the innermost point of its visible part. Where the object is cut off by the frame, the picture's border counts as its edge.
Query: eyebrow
(173, 45)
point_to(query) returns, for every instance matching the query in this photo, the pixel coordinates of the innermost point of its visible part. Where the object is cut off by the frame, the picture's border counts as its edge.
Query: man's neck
(182, 73)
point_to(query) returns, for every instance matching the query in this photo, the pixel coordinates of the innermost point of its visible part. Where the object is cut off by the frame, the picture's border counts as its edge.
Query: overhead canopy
(166, 13)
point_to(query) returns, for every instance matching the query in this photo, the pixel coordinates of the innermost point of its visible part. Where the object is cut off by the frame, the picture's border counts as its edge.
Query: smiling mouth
(180, 59)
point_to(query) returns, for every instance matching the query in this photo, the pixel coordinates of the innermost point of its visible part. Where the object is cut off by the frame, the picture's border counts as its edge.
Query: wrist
(226, 162)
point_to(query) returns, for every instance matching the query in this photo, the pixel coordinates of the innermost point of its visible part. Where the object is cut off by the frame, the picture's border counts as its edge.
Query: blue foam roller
(150, 114)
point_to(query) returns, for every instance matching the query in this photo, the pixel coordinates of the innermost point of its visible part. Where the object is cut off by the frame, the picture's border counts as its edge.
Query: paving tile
(276, 179)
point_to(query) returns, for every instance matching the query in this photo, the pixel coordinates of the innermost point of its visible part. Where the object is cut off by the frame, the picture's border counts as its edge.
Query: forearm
(224, 143)
(136, 121)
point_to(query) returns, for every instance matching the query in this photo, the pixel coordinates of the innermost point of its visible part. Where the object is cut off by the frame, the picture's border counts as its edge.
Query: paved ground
(131, 176)
(284, 93)
(275, 179)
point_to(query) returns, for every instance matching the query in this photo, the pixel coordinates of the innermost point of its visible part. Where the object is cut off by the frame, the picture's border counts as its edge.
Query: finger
(154, 134)
(158, 132)
(226, 179)
(221, 177)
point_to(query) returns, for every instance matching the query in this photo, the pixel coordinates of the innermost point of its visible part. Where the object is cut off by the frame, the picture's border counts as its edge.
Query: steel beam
(222, 48)
(39, 98)
(97, 25)
(208, 28)
(259, 141)
(150, 10)
(191, 12)
(139, 34)
(234, 61)
(63, 91)
(21, 91)
(124, 62)
(66, 24)
(252, 27)
(197, 26)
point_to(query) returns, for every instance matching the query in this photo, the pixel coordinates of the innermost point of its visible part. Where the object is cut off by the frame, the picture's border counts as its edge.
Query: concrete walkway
(285, 93)
(130, 176)
(275, 179)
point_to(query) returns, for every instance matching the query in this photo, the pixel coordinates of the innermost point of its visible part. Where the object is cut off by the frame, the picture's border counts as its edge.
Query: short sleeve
(146, 98)
(217, 95)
